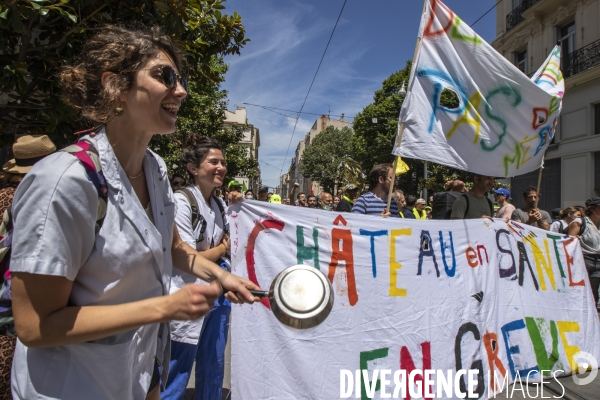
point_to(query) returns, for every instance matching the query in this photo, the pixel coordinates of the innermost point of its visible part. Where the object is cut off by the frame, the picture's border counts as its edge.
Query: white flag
(504, 121)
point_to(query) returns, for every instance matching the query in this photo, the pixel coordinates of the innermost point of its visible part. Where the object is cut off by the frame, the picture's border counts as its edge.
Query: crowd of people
(117, 279)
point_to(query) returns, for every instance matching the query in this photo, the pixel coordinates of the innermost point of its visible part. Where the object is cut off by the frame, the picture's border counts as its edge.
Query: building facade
(294, 175)
(250, 140)
(526, 32)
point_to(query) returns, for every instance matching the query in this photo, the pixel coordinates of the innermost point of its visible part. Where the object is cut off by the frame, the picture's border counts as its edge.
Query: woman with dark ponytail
(91, 300)
(202, 224)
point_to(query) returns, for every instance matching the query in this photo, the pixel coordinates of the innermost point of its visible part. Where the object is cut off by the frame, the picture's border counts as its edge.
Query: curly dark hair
(114, 49)
(196, 150)
(380, 170)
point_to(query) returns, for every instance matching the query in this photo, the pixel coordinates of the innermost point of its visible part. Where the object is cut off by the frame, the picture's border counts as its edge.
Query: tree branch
(69, 32)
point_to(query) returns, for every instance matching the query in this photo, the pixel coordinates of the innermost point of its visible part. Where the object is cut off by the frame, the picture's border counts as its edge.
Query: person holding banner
(375, 201)
(530, 214)
(586, 229)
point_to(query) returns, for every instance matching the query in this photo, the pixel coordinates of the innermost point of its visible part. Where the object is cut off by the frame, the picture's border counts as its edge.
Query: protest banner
(409, 295)
(504, 121)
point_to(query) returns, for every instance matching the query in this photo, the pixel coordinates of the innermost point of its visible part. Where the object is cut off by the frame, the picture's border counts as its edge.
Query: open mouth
(171, 108)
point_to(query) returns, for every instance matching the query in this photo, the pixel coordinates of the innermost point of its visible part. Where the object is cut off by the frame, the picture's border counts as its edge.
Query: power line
(486, 13)
(268, 108)
(311, 85)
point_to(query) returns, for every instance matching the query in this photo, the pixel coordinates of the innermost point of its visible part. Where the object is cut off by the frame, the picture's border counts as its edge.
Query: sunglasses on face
(169, 77)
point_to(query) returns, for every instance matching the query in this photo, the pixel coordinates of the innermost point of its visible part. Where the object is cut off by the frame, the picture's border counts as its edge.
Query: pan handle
(257, 293)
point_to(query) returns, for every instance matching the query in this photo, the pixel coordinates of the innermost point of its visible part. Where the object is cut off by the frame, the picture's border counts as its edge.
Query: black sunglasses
(169, 77)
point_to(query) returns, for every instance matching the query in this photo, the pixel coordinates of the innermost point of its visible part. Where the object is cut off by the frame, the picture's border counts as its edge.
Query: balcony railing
(515, 16)
(581, 60)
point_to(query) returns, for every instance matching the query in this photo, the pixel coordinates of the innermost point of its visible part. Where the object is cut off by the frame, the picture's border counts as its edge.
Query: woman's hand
(193, 301)
(226, 243)
(237, 288)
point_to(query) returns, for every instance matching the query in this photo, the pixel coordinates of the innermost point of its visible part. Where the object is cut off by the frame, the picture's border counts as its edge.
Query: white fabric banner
(441, 295)
(504, 121)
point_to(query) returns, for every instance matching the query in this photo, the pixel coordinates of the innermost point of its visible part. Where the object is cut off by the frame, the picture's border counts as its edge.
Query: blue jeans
(209, 354)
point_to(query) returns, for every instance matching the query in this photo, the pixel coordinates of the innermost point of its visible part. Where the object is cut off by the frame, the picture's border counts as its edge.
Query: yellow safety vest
(417, 215)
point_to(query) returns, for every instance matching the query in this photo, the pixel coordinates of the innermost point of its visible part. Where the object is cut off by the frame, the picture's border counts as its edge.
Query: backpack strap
(196, 216)
(222, 210)
(467, 200)
(87, 154)
(491, 206)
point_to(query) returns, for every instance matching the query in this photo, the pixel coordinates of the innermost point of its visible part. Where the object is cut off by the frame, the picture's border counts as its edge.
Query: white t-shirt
(129, 259)
(189, 331)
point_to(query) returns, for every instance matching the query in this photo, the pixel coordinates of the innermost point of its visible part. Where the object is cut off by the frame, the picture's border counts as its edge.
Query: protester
(409, 205)
(177, 182)
(374, 202)
(443, 201)
(428, 212)
(249, 194)
(555, 214)
(530, 214)
(202, 224)
(336, 201)
(586, 229)
(263, 193)
(506, 209)
(91, 307)
(326, 202)
(398, 196)
(566, 216)
(269, 194)
(27, 150)
(347, 200)
(475, 204)
(235, 186)
(300, 200)
(311, 201)
(419, 209)
(275, 199)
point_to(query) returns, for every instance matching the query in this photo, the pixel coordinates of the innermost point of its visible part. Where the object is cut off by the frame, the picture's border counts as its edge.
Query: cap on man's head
(350, 186)
(503, 192)
(556, 211)
(594, 201)
(263, 189)
(234, 184)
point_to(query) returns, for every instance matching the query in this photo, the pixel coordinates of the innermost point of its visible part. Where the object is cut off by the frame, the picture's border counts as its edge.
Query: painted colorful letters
(504, 121)
(409, 294)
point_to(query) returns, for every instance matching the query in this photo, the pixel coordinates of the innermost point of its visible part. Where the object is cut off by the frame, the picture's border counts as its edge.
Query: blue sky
(373, 39)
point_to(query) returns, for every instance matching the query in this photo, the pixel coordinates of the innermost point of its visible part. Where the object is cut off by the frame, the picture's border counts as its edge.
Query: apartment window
(521, 61)
(597, 119)
(567, 38)
(597, 171)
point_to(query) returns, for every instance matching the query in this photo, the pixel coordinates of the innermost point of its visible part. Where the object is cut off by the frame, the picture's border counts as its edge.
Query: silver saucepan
(301, 296)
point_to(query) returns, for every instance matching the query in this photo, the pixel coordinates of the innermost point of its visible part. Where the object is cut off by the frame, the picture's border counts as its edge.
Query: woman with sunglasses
(202, 340)
(92, 308)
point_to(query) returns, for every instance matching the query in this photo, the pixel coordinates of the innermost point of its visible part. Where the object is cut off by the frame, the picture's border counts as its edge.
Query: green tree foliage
(323, 159)
(38, 36)
(375, 129)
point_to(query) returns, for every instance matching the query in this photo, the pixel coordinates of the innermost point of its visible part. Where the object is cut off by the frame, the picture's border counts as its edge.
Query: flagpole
(401, 129)
(539, 186)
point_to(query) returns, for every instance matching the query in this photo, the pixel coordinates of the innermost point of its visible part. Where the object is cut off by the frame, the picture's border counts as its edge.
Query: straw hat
(28, 150)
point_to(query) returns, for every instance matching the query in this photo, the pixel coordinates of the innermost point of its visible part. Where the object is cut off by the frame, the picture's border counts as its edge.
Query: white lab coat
(128, 260)
(189, 331)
